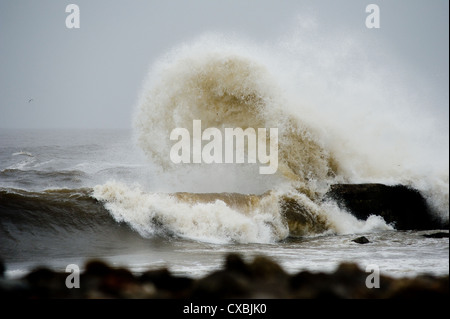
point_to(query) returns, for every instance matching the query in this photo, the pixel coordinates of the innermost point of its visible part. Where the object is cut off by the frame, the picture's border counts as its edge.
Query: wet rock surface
(403, 206)
(361, 240)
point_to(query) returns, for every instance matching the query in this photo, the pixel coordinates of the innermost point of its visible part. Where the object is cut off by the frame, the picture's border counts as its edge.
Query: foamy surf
(228, 217)
(211, 221)
(22, 153)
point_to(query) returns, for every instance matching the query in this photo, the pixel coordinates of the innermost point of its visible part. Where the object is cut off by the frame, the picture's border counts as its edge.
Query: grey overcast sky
(90, 77)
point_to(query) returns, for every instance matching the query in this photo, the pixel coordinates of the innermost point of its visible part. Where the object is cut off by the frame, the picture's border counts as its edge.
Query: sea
(68, 196)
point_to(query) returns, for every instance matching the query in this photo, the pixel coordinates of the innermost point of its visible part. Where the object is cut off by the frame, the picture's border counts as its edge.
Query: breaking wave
(339, 120)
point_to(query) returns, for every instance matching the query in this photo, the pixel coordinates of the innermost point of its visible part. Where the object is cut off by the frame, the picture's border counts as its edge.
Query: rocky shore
(262, 278)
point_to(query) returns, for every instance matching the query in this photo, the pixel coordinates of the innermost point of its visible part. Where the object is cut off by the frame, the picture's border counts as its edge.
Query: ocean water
(50, 217)
(68, 196)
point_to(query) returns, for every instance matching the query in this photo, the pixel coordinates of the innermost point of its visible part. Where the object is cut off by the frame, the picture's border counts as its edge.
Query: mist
(55, 77)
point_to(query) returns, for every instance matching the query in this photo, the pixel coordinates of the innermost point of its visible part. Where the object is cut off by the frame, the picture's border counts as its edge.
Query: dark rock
(420, 287)
(263, 267)
(2, 269)
(158, 277)
(222, 284)
(405, 207)
(117, 282)
(437, 235)
(46, 283)
(348, 281)
(308, 285)
(234, 263)
(269, 280)
(40, 276)
(14, 289)
(173, 286)
(361, 240)
(97, 268)
(99, 280)
(260, 278)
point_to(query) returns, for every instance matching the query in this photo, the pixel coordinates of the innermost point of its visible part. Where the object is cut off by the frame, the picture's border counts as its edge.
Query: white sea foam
(150, 213)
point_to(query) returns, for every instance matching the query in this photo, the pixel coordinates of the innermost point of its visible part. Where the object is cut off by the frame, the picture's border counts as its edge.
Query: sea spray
(380, 121)
(224, 87)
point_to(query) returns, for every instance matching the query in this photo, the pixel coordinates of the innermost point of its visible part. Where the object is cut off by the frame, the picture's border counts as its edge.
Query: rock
(97, 268)
(437, 235)
(308, 285)
(260, 278)
(269, 280)
(361, 240)
(347, 282)
(420, 288)
(119, 282)
(45, 283)
(222, 284)
(169, 286)
(405, 207)
(263, 267)
(2, 269)
(234, 263)
(14, 289)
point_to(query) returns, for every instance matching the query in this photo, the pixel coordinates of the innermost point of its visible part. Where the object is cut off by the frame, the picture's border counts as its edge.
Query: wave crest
(225, 89)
